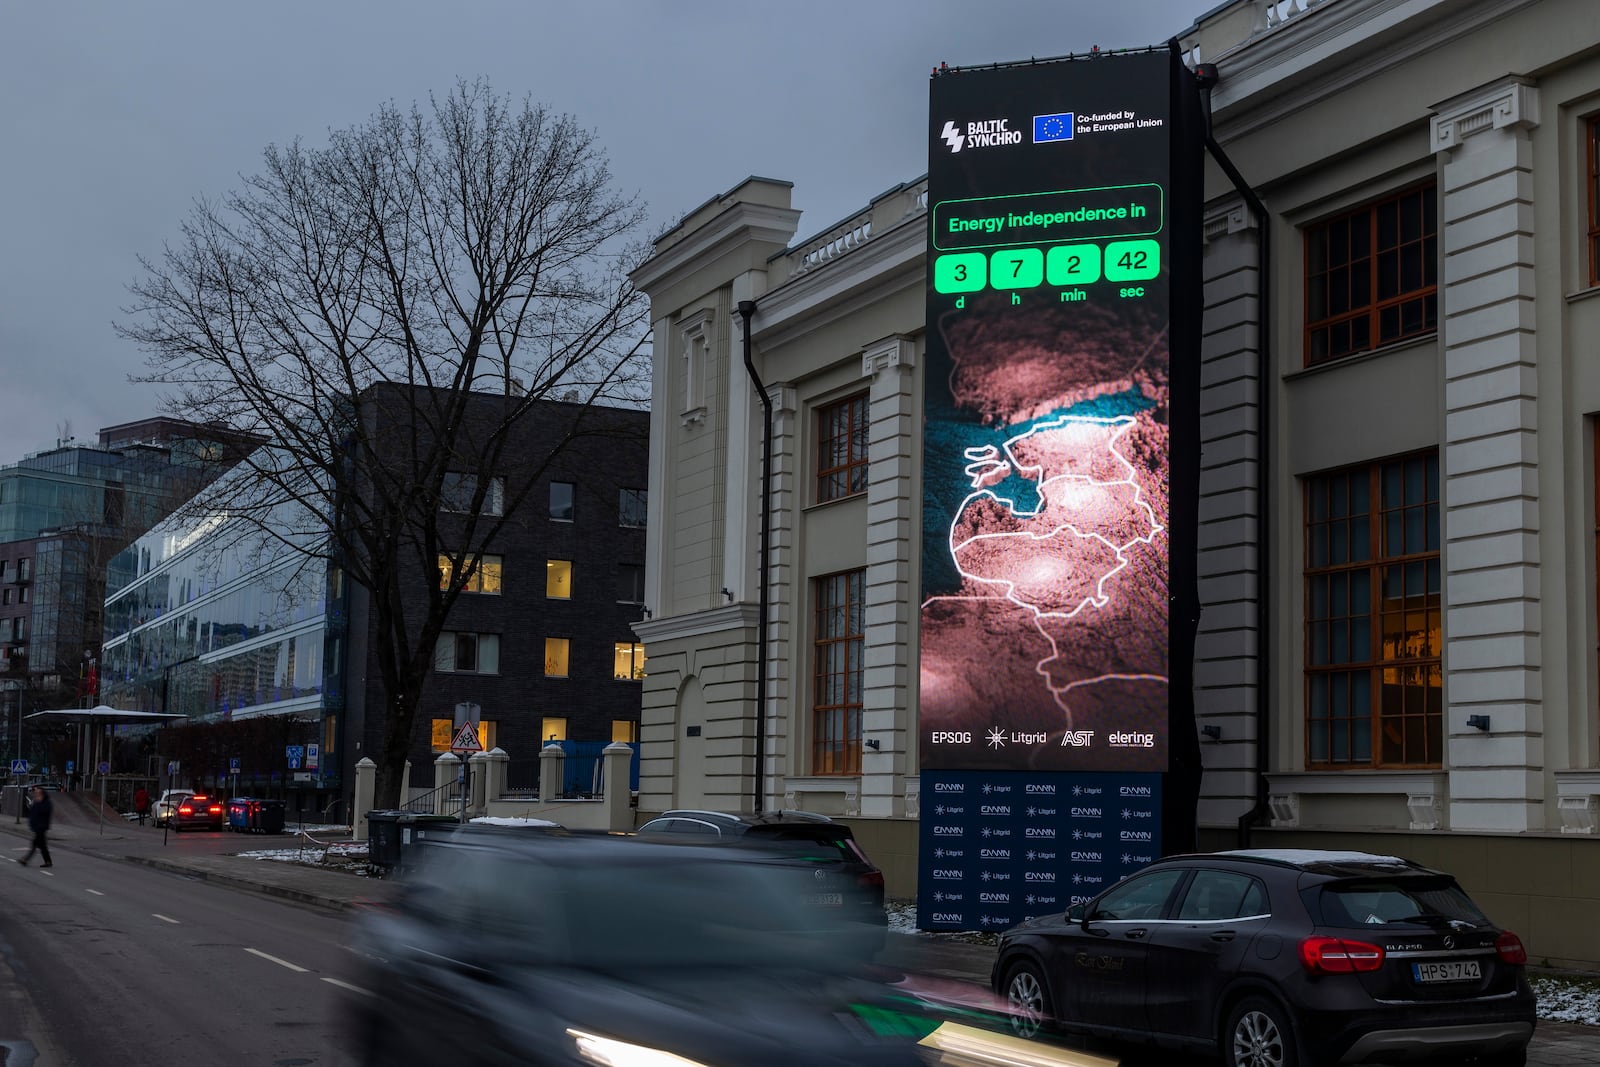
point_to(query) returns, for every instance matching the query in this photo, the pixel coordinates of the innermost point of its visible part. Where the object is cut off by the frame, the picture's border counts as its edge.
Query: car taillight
(184, 809)
(1508, 946)
(1338, 955)
(870, 880)
(216, 809)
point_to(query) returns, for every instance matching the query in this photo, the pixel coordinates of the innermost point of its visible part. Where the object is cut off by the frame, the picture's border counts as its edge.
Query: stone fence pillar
(618, 759)
(552, 764)
(366, 785)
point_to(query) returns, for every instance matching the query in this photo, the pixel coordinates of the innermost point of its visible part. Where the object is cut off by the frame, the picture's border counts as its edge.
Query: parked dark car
(1278, 958)
(564, 948)
(200, 810)
(844, 877)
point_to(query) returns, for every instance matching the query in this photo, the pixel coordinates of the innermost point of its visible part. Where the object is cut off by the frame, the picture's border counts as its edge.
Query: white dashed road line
(347, 985)
(164, 919)
(281, 963)
(96, 892)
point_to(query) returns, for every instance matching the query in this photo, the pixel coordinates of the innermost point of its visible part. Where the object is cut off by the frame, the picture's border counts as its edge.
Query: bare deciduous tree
(354, 304)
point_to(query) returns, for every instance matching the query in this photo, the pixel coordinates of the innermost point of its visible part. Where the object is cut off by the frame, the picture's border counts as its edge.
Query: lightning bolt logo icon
(953, 137)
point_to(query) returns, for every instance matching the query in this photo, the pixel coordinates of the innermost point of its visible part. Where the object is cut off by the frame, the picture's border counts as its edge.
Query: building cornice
(697, 624)
(740, 223)
(1511, 103)
(1332, 48)
(891, 261)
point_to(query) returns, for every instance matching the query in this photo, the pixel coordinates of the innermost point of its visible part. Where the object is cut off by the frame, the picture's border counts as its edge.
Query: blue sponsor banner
(998, 847)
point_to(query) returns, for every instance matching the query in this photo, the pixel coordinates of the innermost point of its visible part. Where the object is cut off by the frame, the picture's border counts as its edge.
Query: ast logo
(1036, 789)
(994, 898)
(1137, 835)
(1078, 739)
(1088, 813)
(995, 809)
(1039, 833)
(994, 853)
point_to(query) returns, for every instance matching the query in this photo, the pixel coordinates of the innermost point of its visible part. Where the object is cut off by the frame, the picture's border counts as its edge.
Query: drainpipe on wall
(747, 308)
(1207, 76)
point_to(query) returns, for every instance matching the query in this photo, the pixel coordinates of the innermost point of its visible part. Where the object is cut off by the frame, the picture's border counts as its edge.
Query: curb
(299, 896)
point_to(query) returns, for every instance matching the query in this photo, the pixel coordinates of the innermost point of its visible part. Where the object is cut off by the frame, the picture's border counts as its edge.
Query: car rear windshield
(828, 844)
(1424, 901)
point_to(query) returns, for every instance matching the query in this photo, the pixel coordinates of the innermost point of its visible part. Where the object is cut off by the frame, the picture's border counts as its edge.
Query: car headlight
(614, 1053)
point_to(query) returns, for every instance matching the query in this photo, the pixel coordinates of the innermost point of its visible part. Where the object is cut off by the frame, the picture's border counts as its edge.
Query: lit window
(558, 579)
(1374, 689)
(632, 508)
(625, 731)
(837, 655)
(842, 449)
(1372, 276)
(552, 729)
(556, 652)
(465, 653)
(457, 492)
(561, 501)
(485, 577)
(628, 661)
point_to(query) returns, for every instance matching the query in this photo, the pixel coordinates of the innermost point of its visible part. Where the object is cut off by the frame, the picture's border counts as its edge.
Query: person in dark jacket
(39, 823)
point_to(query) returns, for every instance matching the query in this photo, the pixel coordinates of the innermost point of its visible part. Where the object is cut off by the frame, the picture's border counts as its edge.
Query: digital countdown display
(1046, 464)
(999, 847)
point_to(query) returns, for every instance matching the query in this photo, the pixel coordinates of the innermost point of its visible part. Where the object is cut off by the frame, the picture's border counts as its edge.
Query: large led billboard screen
(1047, 433)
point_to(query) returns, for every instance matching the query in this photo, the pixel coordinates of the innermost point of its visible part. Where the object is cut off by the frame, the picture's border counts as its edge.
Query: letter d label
(961, 302)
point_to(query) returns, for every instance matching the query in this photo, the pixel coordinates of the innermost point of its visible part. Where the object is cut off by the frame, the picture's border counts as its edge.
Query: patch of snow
(497, 820)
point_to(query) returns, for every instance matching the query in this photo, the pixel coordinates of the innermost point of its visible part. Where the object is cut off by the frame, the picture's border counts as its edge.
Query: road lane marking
(280, 963)
(347, 985)
(164, 919)
(96, 892)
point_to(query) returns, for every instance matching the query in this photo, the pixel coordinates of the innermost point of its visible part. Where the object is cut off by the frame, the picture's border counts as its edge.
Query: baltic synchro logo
(987, 133)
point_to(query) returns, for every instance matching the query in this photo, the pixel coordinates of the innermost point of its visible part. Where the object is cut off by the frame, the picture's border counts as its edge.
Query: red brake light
(216, 809)
(184, 809)
(1337, 955)
(1508, 946)
(872, 879)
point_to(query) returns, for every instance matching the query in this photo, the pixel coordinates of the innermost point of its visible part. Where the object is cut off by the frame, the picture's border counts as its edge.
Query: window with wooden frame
(1374, 687)
(842, 448)
(1591, 167)
(1372, 276)
(839, 641)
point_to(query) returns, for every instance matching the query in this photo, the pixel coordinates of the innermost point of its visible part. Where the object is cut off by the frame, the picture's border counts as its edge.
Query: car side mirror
(1075, 914)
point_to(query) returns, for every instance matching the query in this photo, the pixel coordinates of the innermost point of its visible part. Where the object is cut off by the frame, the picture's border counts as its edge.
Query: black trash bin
(383, 837)
(267, 816)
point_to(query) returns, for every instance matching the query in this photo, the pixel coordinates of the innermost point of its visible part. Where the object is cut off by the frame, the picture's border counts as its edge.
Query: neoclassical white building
(1398, 555)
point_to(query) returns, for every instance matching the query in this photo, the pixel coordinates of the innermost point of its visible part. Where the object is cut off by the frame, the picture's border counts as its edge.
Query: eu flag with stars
(1052, 127)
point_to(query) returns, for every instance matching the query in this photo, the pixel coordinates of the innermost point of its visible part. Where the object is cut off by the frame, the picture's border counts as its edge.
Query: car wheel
(1028, 999)
(1518, 1058)
(1259, 1034)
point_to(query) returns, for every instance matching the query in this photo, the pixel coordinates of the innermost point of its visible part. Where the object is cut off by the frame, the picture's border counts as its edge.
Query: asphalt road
(126, 964)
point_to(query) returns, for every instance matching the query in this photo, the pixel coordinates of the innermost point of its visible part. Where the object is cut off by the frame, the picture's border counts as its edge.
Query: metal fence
(582, 772)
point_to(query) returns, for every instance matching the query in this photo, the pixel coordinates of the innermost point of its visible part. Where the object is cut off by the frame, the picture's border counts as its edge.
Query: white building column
(885, 716)
(1489, 459)
(782, 624)
(1228, 641)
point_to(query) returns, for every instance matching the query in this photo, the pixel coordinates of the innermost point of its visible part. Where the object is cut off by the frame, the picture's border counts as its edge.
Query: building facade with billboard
(1397, 512)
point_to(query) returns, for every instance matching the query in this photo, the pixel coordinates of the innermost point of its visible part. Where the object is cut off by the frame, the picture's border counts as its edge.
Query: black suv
(509, 947)
(1279, 957)
(844, 877)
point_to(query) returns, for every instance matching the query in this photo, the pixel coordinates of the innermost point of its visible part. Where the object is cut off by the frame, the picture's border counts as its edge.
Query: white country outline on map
(984, 463)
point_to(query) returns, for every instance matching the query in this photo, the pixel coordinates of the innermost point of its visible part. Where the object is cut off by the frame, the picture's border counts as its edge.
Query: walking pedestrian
(141, 803)
(39, 823)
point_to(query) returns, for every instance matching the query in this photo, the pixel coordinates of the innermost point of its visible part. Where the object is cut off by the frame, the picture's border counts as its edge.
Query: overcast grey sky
(115, 116)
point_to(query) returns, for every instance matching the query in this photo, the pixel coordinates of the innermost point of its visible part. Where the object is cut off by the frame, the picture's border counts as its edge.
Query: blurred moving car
(844, 877)
(563, 948)
(200, 810)
(167, 806)
(1279, 958)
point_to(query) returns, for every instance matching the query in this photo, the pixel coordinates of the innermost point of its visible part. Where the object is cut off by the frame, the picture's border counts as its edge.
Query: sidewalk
(951, 969)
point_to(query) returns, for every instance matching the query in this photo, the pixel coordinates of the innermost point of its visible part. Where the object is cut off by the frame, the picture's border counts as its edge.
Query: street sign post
(313, 754)
(295, 754)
